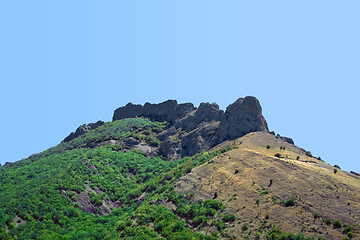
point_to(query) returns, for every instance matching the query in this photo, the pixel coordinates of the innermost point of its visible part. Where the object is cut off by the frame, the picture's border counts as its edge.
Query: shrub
(236, 171)
(278, 155)
(335, 170)
(298, 158)
(348, 228)
(268, 147)
(220, 225)
(229, 218)
(120, 226)
(179, 226)
(338, 224)
(244, 227)
(316, 215)
(264, 192)
(290, 202)
(328, 221)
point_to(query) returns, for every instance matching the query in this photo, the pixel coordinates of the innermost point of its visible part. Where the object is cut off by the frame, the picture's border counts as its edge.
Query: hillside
(173, 171)
(294, 192)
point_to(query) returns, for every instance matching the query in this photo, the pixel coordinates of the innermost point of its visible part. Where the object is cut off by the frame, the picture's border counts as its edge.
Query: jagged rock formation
(242, 117)
(167, 111)
(83, 129)
(192, 130)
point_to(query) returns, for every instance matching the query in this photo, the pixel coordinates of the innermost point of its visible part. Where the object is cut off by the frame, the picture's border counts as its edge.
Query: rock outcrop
(192, 130)
(167, 111)
(82, 130)
(242, 117)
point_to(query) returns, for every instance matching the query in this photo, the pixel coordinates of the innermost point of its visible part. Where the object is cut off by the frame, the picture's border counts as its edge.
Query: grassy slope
(241, 178)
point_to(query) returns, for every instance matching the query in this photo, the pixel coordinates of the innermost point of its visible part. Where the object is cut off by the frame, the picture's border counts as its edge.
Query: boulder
(337, 166)
(288, 140)
(241, 117)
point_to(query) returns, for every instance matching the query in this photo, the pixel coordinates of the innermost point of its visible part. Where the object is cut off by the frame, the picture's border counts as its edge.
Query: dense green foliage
(116, 130)
(75, 192)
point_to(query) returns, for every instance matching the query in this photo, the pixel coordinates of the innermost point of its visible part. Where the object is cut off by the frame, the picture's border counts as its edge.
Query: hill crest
(192, 130)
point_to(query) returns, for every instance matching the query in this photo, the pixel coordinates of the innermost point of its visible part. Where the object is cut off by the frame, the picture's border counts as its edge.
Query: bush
(220, 225)
(290, 202)
(278, 155)
(268, 147)
(200, 220)
(348, 228)
(338, 224)
(244, 227)
(120, 226)
(298, 158)
(264, 191)
(236, 171)
(335, 170)
(229, 218)
(328, 221)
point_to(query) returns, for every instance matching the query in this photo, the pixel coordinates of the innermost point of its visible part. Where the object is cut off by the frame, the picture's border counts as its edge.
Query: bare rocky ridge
(192, 130)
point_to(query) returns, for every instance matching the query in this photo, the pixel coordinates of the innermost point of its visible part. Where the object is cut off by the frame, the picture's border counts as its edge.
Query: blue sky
(65, 63)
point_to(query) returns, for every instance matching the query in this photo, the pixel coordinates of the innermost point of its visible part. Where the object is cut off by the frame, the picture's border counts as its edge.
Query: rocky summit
(192, 130)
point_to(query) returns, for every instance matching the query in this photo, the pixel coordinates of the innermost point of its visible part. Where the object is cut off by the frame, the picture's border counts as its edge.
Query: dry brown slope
(317, 189)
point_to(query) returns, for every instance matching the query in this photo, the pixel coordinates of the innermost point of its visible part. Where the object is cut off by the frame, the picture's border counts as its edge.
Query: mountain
(174, 171)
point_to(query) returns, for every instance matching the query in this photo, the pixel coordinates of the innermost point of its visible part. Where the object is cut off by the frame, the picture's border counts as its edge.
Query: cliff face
(242, 117)
(192, 130)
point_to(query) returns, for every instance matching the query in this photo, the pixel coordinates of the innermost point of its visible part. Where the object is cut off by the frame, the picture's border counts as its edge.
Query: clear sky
(65, 63)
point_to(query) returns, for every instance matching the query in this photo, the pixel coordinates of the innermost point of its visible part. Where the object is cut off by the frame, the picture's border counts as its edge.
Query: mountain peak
(201, 128)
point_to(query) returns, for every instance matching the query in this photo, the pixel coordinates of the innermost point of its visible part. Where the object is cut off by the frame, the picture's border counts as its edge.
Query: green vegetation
(263, 191)
(328, 221)
(289, 202)
(338, 224)
(72, 191)
(278, 155)
(229, 218)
